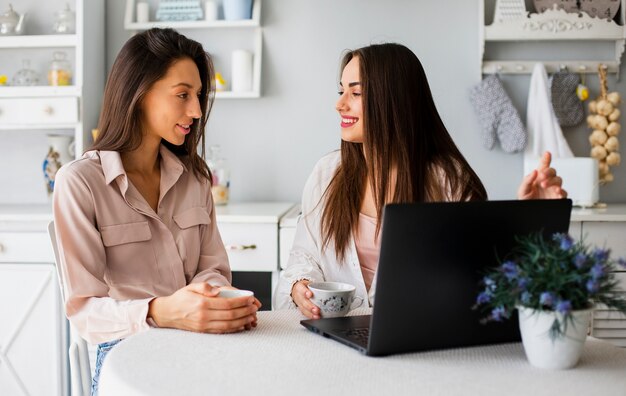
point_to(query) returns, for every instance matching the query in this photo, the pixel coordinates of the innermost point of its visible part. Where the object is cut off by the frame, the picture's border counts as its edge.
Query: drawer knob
(48, 110)
(239, 247)
(1, 248)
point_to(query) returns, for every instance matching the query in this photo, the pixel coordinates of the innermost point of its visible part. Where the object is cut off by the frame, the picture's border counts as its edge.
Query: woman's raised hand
(542, 183)
(196, 307)
(301, 295)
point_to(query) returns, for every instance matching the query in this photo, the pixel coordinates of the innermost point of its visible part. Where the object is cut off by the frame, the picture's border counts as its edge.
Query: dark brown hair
(142, 61)
(403, 133)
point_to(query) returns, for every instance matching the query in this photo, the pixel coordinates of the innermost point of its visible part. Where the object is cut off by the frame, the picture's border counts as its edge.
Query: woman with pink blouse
(134, 218)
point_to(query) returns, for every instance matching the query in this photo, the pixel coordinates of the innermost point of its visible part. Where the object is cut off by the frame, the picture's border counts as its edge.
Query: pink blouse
(367, 247)
(117, 254)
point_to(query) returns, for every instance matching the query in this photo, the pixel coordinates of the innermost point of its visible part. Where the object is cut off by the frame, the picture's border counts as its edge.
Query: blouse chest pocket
(130, 254)
(189, 236)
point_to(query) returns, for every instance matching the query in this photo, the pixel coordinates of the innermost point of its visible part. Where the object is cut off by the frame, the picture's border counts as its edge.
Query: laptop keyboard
(360, 336)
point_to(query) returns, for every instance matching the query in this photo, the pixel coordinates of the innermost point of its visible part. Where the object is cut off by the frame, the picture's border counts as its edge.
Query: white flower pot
(544, 352)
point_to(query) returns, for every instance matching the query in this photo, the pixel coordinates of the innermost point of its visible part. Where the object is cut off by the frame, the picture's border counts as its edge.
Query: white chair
(80, 370)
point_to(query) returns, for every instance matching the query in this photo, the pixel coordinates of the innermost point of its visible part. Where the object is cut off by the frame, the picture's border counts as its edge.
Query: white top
(307, 259)
(280, 357)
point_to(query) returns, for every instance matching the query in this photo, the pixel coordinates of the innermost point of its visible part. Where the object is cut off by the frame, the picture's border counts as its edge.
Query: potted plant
(554, 283)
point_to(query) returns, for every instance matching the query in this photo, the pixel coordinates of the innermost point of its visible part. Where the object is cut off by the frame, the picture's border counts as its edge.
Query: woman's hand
(256, 302)
(301, 295)
(196, 307)
(542, 183)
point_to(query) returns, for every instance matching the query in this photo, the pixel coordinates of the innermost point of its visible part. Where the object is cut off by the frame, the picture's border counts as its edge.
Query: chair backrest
(53, 240)
(80, 371)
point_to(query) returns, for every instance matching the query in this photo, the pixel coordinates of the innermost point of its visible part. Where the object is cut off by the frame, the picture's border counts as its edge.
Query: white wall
(273, 142)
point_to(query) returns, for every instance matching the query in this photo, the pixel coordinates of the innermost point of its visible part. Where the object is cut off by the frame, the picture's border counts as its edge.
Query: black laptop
(432, 258)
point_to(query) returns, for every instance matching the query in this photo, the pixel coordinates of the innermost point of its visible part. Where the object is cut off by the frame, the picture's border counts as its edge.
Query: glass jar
(25, 76)
(65, 21)
(220, 175)
(60, 72)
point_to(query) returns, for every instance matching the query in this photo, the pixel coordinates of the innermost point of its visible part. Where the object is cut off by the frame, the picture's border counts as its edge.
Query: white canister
(210, 10)
(241, 72)
(143, 12)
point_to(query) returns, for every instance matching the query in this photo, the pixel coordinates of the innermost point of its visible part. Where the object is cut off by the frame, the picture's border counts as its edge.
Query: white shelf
(553, 25)
(192, 24)
(526, 67)
(35, 127)
(130, 22)
(39, 41)
(38, 91)
(253, 23)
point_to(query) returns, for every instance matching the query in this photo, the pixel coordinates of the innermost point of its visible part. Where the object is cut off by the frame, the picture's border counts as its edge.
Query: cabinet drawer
(610, 234)
(39, 111)
(25, 247)
(250, 247)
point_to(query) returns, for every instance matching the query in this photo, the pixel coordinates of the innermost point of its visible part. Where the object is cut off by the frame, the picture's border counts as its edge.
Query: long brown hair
(143, 60)
(403, 133)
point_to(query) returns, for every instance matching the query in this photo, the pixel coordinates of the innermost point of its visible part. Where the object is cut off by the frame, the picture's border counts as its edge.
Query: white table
(280, 357)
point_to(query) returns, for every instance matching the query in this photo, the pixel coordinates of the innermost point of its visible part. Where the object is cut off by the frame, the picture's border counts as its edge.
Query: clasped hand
(197, 307)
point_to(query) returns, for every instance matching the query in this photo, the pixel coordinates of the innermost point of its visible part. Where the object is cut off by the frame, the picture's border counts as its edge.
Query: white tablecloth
(280, 357)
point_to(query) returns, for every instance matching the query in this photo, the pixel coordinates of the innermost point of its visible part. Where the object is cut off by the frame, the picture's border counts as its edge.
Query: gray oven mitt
(497, 116)
(567, 106)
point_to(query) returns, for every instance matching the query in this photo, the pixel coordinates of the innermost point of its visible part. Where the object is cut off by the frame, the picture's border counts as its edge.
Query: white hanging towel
(544, 132)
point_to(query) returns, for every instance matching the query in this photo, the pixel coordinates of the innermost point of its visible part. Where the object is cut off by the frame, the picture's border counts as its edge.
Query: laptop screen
(432, 258)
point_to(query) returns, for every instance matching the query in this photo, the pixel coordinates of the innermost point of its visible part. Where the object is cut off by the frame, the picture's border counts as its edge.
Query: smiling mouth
(185, 129)
(348, 122)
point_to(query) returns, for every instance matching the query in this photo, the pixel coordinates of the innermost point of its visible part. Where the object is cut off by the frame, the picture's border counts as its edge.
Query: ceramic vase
(545, 352)
(60, 152)
(235, 10)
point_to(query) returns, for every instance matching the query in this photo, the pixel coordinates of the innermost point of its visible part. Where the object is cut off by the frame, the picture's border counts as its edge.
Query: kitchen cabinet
(72, 109)
(251, 235)
(29, 113)
(33, 334)
(219, 37)
(605, 227)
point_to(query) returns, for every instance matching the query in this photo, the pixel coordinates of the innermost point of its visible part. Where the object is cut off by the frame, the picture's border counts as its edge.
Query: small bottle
(60, 72)
(220, 175)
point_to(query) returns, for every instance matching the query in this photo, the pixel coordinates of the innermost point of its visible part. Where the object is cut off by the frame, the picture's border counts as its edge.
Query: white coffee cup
(334, 299)
(229, 293)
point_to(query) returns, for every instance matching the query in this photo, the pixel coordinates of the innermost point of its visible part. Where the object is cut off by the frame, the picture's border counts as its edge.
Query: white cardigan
(307, 259)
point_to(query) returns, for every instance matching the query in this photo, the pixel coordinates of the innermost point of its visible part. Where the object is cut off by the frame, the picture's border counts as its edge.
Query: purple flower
(523, 283)
(592, 286)
(489, 283)
(565, 241)
(483, 298)
(580, 260)
(601, 254)
(499, 313)
(510, 270)
(546, 298)
(622, 262)
(525, 298)
(597, 271)
(564, 307)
